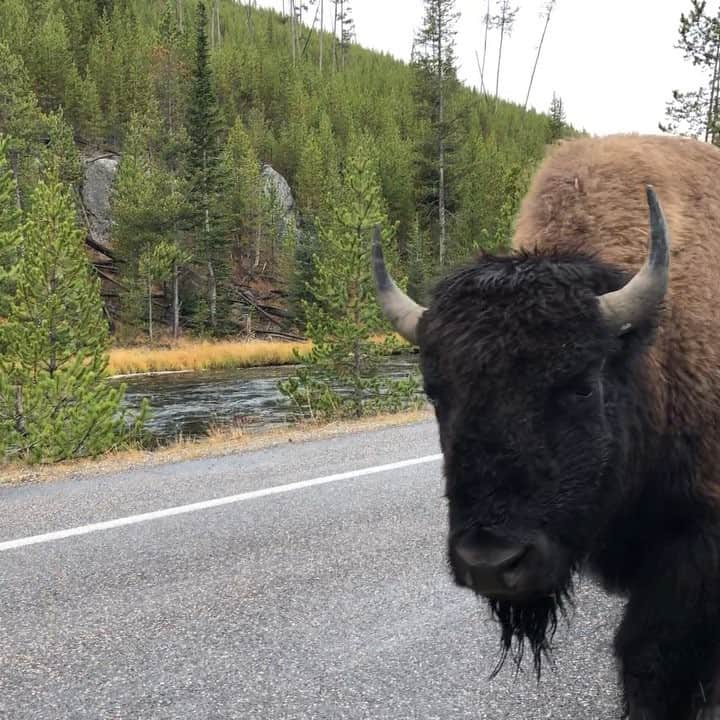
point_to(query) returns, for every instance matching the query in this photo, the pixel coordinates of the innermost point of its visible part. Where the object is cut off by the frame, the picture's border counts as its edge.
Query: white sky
(612, 62)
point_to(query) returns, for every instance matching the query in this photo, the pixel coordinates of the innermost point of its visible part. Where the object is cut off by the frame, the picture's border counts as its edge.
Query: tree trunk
(358, 387)
(212, 283)
(292, 29)
(19, 420)
(150, 316)
(212, 295)
(258, 234)
(334, 44)
(322, 26)
(441, 138)
(14, 171)
(179, 8)
(502, 35)
(712, 117)
(537, 57)
(217, 20)
(342, 33)
(176, 301)
(482, 67)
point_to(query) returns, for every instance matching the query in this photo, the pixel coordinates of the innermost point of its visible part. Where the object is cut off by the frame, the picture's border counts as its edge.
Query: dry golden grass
(219, 442)
(203, 355)
(208, 355)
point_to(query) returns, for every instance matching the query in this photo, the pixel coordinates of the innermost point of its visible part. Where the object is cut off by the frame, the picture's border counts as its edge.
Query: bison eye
(582, 390)
(576, 390)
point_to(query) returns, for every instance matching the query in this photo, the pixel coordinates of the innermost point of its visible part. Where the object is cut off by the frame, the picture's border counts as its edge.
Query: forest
(196, 105)
(252, 153)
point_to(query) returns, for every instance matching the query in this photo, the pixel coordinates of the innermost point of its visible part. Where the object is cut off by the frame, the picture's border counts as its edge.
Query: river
(188, 403)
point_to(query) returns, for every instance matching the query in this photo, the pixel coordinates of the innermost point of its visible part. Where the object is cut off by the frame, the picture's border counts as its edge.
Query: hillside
(86, 79)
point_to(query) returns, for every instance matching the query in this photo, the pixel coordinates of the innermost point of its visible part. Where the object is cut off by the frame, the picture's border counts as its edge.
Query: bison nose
(492, 562)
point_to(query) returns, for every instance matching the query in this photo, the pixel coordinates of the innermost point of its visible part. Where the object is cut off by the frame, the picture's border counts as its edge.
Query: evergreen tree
(158, 263)
(244, 191)
(556, 121)
(20, 118)
(14, 23)
(434, 58)
(102, 71)
(697, 112)
(343, 313)
(51, 62)
(170, 75)
(311, 179)
(205, 172)
(54, 400)
(9, 231)
(148, 209)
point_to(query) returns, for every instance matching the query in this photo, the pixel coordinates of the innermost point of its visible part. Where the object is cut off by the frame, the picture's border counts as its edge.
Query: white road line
(217, 502)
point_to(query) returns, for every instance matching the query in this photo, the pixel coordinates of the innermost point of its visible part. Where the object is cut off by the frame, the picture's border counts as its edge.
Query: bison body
(576, 385)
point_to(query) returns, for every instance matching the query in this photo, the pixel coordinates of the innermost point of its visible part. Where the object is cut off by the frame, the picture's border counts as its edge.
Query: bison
(576, 385)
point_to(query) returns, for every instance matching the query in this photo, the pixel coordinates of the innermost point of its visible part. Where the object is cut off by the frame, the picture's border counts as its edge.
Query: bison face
(527, 360)
(519, 366)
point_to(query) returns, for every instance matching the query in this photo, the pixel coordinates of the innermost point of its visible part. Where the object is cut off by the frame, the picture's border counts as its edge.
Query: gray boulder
(100, 172)
(277, 189)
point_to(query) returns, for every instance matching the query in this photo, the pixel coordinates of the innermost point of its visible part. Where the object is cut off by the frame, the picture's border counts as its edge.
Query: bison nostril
(514, 562)
(482, 551)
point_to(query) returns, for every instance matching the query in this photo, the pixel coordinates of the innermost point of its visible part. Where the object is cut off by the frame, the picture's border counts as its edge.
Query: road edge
(229, 442)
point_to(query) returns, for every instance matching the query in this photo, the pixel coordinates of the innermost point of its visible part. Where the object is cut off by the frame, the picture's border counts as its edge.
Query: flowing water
(188, 403)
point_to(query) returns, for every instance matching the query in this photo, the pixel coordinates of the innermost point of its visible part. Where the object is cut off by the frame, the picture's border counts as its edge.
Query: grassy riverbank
(203, 355)
(218, 442)
(207, 355)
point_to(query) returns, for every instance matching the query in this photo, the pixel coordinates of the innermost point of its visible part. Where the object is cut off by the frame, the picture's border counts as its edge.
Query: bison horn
(625, 308)
(402, 312)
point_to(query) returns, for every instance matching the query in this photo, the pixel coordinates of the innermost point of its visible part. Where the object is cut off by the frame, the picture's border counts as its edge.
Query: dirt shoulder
(226, 442)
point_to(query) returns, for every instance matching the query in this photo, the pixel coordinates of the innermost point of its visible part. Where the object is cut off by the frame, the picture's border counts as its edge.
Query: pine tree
(9, 231)
(343, 313)
(697, 112)
(102, 71)
(311, 180)
(55, 402)
(158, 263)
(556, 121)
(14, 23)
(148, 209)
(434, 58)
(205, 171)
(169, 73)
(20, 119)
(244, 191)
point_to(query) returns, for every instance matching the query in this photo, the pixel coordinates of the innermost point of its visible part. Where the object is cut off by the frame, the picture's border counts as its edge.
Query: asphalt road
(325, 601)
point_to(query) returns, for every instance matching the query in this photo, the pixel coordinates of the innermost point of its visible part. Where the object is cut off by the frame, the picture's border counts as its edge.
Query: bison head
(526, 360)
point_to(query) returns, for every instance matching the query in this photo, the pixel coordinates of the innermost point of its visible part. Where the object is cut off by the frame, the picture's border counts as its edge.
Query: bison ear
(628, 307)
(402, 312)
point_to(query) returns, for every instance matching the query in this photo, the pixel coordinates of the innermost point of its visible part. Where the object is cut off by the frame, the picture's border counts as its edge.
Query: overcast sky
(612, 62)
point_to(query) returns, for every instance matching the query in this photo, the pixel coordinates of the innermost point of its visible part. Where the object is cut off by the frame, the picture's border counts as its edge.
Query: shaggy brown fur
(588, 196)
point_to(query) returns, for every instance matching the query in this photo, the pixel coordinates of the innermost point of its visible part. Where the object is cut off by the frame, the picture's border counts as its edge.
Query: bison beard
(533, 622)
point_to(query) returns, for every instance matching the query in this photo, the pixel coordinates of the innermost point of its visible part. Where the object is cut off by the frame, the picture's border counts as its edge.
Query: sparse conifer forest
(246, 155)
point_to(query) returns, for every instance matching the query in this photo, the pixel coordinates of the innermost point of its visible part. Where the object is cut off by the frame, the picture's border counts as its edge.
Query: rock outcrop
(277, 188)
(100, 172)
